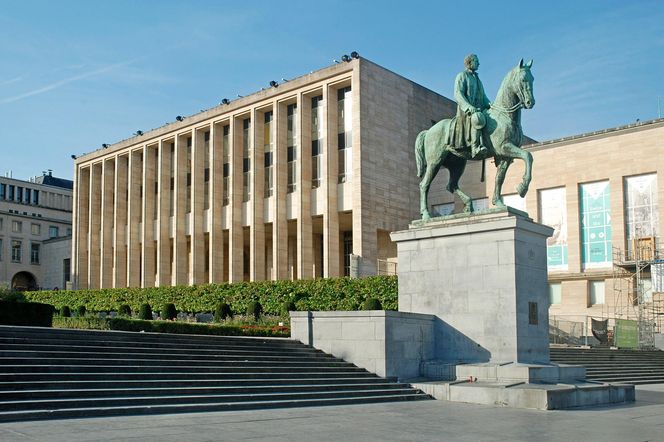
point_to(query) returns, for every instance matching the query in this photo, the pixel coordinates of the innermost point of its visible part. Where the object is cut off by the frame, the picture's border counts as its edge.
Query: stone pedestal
(485, 279)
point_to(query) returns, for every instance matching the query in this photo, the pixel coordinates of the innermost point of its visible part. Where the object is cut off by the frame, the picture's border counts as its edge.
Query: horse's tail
(420, 159)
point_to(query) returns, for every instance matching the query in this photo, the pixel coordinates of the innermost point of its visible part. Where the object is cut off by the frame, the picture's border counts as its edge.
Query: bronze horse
(502, 135)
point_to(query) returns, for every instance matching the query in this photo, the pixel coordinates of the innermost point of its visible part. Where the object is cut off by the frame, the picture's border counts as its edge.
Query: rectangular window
(188, 201)
(595, 208)
(19, 194)
(226, 152)
(2, 222)
(596, 289)
(344, 131)
(553, 213)
(268, 145)
(206, 178)
(316, 141)
(291, 142)
(36, 229)
(34, 253)
(28, 196)
(17, 226)
(348, 251)
(3, 191)
(68, 231)
(246, 160)
(1, 249)
(555, 293)
(641, 216)
(53, 232)
(16, 250)
(35, 197)
(10, 193)
(66, 271)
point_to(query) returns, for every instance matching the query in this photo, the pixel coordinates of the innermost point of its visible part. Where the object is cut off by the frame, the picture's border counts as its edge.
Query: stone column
(256, 223)
(82, 229)
(164, 216)
(180, 255)
(107, 219)
(304, 227)
(280, 222)
(331, 257)
(94, 257)
(217, 199)
(235, 234)
(120, 221)
(197, 200)
(135, 212)
(150, 195)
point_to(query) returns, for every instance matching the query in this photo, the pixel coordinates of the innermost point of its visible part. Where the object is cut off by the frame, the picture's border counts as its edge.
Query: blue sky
(77, 74)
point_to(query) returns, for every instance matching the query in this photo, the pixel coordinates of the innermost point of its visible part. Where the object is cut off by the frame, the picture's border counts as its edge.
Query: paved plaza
(410, 421)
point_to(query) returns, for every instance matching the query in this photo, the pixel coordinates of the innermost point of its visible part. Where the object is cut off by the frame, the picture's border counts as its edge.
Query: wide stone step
(170, 362)
(221, 356)
(168, 392)
(197, 408)
(100, 402)
(156, 349)
(102, 383)
(89, 368)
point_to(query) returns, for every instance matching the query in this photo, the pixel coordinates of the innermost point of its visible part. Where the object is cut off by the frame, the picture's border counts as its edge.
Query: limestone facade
(31, 214)
(289, 182)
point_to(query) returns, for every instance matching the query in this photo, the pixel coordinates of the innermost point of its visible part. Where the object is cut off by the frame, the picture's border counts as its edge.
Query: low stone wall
(388, 343)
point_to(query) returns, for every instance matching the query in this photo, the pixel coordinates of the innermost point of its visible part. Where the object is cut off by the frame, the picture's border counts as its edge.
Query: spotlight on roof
(179, 118)
(239, 96)
(138, 133)
(225, 101)
(273, 83)
(354, 54)
(105, 145)
(334, 60)
(284, 80)
(73, 157)
(345, 58)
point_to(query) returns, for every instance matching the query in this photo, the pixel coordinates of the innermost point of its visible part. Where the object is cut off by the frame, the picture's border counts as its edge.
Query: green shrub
(289, 306)
(85, 323)
(194, 328)
(169, 312)
(11, 295)
(80, 311)
(145, 313)
(65, 311)
(26, 313)
(124, 310)
(255, 309)
(372, 304)
(222, 312)
(323, 294)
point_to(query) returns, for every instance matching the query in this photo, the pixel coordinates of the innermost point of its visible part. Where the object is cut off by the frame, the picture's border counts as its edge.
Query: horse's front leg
(512, 151)
(502, 166)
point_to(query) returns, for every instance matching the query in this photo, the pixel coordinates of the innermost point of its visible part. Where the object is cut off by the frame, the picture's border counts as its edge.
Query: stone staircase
(54, 373)
(624, 366)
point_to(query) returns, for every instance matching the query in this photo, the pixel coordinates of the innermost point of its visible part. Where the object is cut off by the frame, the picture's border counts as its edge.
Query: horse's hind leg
(456, 168)
(425, 184)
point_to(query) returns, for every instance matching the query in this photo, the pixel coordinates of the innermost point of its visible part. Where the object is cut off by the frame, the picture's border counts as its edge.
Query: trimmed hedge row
(26, 313)
(137, 325)
(324, 294)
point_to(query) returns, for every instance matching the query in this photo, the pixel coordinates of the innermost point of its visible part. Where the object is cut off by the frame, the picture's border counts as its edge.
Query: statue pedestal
(484, 277)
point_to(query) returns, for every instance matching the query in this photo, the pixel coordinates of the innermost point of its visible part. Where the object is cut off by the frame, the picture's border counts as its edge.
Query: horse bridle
(508, 110)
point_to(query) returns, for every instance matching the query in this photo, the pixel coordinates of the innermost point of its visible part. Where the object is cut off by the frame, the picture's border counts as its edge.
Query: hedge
(137, 325)
(323, 294)
(26, 313)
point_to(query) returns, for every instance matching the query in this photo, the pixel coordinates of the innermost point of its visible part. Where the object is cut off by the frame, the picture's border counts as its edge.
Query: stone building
(303, 179)
(33, 215)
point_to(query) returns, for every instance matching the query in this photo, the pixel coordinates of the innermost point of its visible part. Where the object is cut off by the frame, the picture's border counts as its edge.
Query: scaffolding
(638, 292)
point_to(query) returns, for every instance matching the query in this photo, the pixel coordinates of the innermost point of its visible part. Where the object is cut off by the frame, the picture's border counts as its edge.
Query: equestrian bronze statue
(498, 135)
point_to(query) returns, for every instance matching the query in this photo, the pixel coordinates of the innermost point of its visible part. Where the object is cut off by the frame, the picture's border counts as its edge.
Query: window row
(17, 251)
(19, 194)
(35, 229)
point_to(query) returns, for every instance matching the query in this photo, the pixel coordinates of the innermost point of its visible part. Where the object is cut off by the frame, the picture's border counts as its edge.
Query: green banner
(626, 334)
